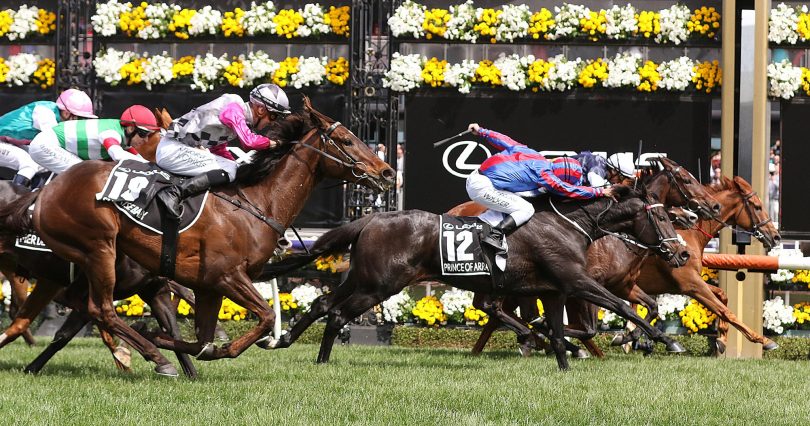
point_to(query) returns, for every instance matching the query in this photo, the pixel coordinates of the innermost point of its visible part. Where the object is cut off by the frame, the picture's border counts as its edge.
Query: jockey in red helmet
(518, 168)
(212, 126)
(71, 142)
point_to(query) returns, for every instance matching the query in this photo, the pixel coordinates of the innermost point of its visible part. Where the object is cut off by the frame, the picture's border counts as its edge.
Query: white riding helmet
(623, 163)
(272, 97)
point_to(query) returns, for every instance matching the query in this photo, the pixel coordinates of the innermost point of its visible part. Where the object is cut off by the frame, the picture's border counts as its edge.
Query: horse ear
(307, 104)
(742, 184)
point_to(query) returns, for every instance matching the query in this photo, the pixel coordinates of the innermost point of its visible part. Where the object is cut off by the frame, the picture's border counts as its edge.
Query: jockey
(519, 168)
(71, 142)
(212, 126)
(621, 167)
(19, 127)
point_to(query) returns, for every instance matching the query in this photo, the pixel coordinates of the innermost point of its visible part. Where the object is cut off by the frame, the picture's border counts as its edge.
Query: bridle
(756, 229)
(349, 161)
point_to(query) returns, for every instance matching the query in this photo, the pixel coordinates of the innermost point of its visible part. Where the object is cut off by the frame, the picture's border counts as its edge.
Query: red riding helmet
(567, 169)
(140, 116)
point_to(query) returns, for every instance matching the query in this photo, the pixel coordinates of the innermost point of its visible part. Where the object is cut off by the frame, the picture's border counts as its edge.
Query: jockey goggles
(269, 103)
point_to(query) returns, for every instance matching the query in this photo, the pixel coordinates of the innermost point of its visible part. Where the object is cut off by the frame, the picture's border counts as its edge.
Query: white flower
(24, 22)
(407, 19)
(776, 315)
(257, 66)
(784, 79)
(206, 20)
(676, 74)
(6, 291)
(259, 19)
(108, 63)
(513, 70)
(461, 75)
(159, 15)
(310, 71)
(461, 23)
(20, 68)
(611, 319)
(621, 22)
(513, 23)
(669, 305)
(157, 70)
(566, 19)
(405, 73)
(563, 74)
(784, 24)
(623, 71)
(313, 21)
(305, 294)
(265, 289)
(456, 301)
(397, 307)
(207, 70)
(783, 275)
(674, 27)
(105, 21)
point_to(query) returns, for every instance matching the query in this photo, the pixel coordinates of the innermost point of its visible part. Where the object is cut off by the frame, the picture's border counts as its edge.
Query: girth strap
(269, 221)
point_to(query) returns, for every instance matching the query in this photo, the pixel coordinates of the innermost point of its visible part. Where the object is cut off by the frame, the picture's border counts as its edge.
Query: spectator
(381, 151)
(773, 192)
(400, 174)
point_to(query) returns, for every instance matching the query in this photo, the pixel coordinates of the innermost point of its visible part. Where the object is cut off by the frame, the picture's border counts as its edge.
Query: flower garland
(558, 73)
(26, 68)
(26, 21)
(158, 20)
(209, 71)
(509, 23)
(429, 310)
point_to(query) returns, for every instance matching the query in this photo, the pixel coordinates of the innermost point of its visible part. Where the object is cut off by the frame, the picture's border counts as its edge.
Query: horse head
(678, 187)
(751, 214)
(640, 214)
(345, 156)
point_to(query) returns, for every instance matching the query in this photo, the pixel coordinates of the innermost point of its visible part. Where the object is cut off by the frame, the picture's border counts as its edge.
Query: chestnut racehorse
(235, 235)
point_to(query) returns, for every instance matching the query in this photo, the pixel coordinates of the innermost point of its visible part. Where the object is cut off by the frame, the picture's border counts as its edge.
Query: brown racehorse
(740, 206)
(232, 240)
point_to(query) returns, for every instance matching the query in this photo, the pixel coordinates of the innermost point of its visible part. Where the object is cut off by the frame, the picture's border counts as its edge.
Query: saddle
(461, 251)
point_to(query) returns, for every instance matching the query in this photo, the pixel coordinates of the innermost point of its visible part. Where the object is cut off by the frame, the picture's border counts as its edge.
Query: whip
(444, 141)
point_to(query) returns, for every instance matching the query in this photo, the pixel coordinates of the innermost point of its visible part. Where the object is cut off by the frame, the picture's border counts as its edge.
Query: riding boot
(498, 233)
(173, 196)
(21, 181)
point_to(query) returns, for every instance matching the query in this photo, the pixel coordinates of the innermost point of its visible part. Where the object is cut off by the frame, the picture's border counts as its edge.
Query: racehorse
(740, 206)
(234, 236)
(390, 251)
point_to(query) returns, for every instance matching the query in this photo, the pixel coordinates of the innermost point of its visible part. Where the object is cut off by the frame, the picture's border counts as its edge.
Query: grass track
(403, 386)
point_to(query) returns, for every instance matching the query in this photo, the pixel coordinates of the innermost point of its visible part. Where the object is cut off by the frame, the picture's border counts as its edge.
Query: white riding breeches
(16, 158)
(185, 160)
(482, 191)
(45, 150)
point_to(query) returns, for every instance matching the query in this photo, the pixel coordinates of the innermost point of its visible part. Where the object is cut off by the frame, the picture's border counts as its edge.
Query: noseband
(757, 227)
(349, 161)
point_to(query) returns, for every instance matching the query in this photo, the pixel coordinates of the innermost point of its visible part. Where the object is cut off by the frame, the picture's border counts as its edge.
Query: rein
(576, 225)
(756, 233)
(325, 136)
(256, 212)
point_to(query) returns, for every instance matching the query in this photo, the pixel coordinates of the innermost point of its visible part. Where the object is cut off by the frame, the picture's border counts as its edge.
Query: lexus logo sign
(462, 157)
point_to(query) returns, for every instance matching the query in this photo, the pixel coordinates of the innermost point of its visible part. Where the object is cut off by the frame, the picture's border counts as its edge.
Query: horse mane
(284, 131)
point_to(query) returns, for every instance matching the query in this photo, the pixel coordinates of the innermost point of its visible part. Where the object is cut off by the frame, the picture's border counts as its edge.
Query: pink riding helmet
(76, 102)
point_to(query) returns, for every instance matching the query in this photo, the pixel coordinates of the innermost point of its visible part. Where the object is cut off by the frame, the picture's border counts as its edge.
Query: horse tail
(335, 240)
(15, 218)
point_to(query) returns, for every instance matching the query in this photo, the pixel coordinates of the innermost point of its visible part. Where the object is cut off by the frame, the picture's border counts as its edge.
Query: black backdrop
(677, 127)
(795, 203)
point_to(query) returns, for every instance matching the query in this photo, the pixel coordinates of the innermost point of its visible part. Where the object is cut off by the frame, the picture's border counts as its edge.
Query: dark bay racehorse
(235, 235)
(390, 251)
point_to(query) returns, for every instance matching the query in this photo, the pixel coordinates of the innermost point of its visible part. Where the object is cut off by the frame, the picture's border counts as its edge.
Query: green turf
(402, 386)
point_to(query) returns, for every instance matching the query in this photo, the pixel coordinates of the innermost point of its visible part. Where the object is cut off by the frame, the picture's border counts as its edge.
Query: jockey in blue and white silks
(518, 168)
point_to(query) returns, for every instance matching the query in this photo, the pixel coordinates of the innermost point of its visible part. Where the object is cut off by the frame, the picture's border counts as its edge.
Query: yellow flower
(430, 310)
(801, 312)
(180, 23)
(232, 23)
(708, 76)
(45, 73)
(540, 23)
(435, 22)
(338, 19)
(183, 67)
(433, 73)
(472, 314)
(538, 73)
(131, 306)
(4, 69)
(183, 308)
(5, 21)
(594, 72)
(133, 71)
(337, 71)
(46, 21)
(234, 73)
(649, 77)
(594, 25)
(706, 22)
(287, 302)
(488, 23)
(696, 317)
(649, 24)
(133, 20)
(287, 22)
(487, 73)
(231, 311)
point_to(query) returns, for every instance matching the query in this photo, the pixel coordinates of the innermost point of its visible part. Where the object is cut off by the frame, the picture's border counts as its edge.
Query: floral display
(510, 23)
(784, 80)
(709, 275)
(801, 313)
(132, 306)
(429, 311)
(776, 315)
(26, 68)
(610, 319)
(26, 22)
(305, 294)
(558, 73)
(670, 306)
(158, 20)
(287, 302)
(783, 26)
(696, 317)
(783, 275)
(801, 276)
(476, 315)
(455, 303)
(230, 311)
(207, 72)
(397, 309)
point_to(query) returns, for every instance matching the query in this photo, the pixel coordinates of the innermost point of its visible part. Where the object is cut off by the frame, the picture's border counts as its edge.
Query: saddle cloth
(460, 245)
(31, 242)
(133, 186)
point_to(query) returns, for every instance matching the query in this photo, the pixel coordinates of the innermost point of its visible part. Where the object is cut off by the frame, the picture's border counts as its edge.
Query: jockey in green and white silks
(19, 127)
(72, 142)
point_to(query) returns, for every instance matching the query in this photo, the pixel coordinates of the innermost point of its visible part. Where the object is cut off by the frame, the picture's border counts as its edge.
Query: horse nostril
(684, 255)
(777, 238)
(716, 207)
(389, 174)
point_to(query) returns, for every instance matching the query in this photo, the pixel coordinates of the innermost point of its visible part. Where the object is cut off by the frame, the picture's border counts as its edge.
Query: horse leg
(554, 317)
(494, 308)
(74, 323)
(341, 315)
(19, 292)
(158, 296)
(486, 331)
(722, 326)
(188, 295)
(205, 319)
(42, 294)
(122, 357)
(636, 295)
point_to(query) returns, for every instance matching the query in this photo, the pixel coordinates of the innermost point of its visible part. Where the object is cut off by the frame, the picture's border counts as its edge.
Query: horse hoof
(207, 352)
(619, 340)
(720, 346)
(675, 348)
(581, 354)
(166, 370)
(267, 342)
(771, 345)
(525, 351)
(123, 356)
(30, 370)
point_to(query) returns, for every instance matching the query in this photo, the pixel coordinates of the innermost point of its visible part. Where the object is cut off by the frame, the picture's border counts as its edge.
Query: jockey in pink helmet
(19, 127)
(518, 168)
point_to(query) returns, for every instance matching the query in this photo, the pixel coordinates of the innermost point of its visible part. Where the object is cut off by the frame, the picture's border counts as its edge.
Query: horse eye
(347, 142)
